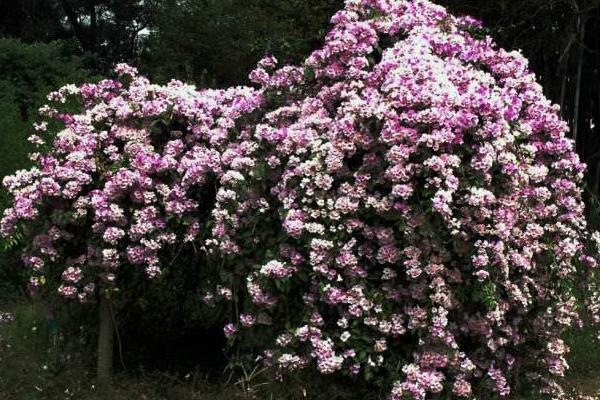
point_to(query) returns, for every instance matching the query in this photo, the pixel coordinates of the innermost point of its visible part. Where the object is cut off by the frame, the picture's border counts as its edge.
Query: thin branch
(566, 51)
(119, 343)
(592, 8)
(578, 83)
(74, 22)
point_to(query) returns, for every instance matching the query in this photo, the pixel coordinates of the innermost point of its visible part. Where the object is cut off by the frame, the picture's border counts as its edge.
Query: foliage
(34, 351)
(29, 71)
(103, 31)
(584, 360)
(217, 42)
(13, 138)
(381, 212)
(27, 74)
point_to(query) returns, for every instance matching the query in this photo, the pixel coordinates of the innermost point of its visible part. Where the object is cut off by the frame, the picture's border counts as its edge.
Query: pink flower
(229, 331)
(72, 274)
(67, 291)
(388, 254)
(246, 320)
(276, 269)
(461, 388)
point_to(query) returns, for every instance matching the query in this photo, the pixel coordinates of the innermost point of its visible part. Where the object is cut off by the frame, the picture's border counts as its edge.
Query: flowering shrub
(404, 207)
(117, 184)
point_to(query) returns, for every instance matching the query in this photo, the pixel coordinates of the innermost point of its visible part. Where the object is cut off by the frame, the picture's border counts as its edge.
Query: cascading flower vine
(117, 184)
(419, 205)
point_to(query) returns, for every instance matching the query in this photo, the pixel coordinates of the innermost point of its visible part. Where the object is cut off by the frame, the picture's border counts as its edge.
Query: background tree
(105, 31)
(217, 42)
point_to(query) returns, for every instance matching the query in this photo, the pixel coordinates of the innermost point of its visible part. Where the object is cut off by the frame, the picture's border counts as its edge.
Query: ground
(37, 363)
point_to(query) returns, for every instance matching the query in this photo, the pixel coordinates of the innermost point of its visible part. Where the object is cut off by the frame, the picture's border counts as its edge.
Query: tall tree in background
(218, 42)
(106, 31)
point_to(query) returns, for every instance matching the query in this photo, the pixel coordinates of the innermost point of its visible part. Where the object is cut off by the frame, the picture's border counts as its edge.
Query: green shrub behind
(28, 72)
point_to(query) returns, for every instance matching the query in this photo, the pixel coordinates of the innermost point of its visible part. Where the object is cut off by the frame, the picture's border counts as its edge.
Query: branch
(585, 10)
(93, 22)
(78, 31)
(578, 84)
(566, 51)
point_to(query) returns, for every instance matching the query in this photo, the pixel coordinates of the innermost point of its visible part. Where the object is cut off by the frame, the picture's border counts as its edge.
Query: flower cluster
(5, 317)
(431, 207)
(422, 219)
(126, 178)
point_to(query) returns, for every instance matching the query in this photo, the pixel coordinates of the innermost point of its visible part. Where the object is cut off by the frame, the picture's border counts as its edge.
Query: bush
(27, 73)
(382, 212)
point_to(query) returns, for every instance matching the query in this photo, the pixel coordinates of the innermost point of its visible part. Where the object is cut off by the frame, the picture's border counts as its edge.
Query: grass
(584, 361)
(40, 362)
(37, 362)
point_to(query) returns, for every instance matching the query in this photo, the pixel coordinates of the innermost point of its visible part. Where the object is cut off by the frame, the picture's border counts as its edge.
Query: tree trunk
(105, 341)
(578, 83)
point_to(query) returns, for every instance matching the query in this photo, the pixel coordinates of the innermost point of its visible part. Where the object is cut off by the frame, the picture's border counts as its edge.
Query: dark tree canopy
(107, 31)
(217, 42)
